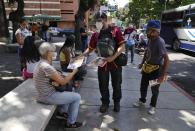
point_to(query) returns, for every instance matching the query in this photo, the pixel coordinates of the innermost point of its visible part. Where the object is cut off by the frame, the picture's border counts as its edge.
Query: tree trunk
(16, 16)
(3, 21)
(79, 18)
(78, 24)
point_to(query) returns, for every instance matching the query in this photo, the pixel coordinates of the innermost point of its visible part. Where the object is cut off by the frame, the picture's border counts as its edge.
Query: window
(189, 21)
(172, 16)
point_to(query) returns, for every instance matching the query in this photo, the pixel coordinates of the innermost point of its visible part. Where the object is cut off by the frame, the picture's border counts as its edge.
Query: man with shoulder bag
(110, 45)
(154, 65)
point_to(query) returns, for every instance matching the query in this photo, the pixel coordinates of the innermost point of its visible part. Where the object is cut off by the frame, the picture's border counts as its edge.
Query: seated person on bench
(68, 102)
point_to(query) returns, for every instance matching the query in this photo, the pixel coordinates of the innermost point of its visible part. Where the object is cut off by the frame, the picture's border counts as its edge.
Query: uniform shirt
(93, 40)
(155, 51)
(41, 77)
(118, 37)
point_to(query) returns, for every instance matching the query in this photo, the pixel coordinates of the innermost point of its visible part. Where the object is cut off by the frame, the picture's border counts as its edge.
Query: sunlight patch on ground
(8, 72)
(159, 129)
(145, 130)
(108, 119)
(178, 56)
(10, 78)
(188, 118)
(2, 66)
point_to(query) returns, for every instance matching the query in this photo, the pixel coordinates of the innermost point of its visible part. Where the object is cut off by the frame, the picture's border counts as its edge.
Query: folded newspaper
(94, 60)
(98, 61)
(75, 63)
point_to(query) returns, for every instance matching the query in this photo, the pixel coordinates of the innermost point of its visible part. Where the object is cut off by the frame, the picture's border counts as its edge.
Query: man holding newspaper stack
(108, 34)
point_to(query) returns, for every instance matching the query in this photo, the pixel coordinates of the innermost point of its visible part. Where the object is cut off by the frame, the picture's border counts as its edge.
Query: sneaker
(103, 108)
(75, 125)
(63, 116)
(138, 104)
(152, 111)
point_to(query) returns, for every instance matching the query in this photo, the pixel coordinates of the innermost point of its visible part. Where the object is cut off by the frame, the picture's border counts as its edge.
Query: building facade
(65, 9)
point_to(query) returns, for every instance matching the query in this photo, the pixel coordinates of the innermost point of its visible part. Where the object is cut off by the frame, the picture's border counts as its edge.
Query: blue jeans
(132, 49)
(84, 44)
(44, 35)
(68, 102)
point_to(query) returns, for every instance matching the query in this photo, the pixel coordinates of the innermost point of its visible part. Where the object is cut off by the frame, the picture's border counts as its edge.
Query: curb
(175, 85)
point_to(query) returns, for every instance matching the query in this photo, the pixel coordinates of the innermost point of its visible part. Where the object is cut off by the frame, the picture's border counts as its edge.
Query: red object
(26, 74)
(118, 37)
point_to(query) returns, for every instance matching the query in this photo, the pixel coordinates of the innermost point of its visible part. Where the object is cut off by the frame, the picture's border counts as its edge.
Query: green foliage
(151, 9)
(102, 2)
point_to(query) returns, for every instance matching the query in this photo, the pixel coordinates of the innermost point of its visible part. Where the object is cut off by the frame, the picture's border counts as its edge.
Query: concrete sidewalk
(175, 112)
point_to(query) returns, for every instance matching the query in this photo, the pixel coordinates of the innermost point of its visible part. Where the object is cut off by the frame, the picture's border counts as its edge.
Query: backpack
(106, 45)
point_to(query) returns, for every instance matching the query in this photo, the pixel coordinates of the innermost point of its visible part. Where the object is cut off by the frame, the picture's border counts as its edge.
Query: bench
(19, 110)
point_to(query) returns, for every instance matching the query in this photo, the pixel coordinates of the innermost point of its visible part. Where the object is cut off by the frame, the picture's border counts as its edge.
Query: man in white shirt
(21, 33)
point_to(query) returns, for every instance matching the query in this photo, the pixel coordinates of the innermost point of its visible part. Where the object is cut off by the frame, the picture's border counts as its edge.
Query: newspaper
(94, 60)
(75, 63)
(98, 61)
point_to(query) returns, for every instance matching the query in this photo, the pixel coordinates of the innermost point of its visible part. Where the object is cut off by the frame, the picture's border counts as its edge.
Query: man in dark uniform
(110, 67)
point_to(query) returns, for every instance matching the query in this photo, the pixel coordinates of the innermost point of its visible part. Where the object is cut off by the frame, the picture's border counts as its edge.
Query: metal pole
(165, 4)
(40, 7)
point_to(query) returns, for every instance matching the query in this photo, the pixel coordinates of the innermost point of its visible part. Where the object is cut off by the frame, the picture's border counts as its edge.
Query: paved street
(181, 70)
(10, 76)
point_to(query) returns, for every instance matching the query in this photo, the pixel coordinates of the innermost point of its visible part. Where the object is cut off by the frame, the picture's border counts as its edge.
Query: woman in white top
(30, 55)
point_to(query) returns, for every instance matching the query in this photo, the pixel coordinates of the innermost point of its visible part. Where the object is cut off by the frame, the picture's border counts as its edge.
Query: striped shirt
(41, 77)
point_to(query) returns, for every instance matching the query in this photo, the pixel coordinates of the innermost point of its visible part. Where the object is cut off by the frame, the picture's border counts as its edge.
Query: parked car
(54, 31)
(66, 32)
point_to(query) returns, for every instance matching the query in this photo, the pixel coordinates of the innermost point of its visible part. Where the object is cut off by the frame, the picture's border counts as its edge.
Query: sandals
(75, 125)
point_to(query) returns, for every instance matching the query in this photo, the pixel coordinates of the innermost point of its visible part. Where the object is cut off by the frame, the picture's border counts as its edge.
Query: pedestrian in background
(30, 55)
(21, 33)
(84, 36)
(34, 29)
(129, 34)
(67, 54)
(44, 30)
(154, 65)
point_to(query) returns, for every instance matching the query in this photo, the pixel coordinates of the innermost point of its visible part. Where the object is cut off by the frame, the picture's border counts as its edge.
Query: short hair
(22, 20)
(45, 47)
(70, 40)
(104, 16)
(30, 52)
(94, 26)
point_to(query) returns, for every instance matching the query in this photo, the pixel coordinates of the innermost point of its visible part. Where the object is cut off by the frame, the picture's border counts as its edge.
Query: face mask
(99, 25)
(54, 56)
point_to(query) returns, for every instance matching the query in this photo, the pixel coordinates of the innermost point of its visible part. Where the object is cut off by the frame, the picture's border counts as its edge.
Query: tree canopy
(151, 9)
